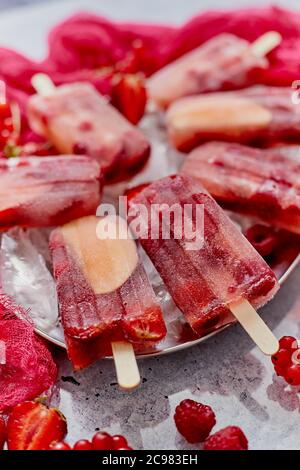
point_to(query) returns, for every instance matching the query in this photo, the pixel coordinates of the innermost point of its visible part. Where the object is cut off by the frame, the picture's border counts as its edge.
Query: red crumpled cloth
(26, 365)
(84, 43)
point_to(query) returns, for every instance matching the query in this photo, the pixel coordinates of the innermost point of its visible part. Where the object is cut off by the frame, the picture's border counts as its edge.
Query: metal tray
(165, 161)
(174, 341)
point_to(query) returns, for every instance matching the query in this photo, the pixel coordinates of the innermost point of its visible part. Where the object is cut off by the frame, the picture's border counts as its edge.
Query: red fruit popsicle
(204, 282)
(254, 115)
(263, 183)
(104, 293)
(77, 119)
(223, 62)
(47, 191)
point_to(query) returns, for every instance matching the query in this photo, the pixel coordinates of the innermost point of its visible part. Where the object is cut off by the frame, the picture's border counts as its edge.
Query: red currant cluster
(100, 441)
(195, 422)
(287, 360)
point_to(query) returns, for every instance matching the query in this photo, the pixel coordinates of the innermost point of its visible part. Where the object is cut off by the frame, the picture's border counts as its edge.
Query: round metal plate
(160, 351)
(165, 161)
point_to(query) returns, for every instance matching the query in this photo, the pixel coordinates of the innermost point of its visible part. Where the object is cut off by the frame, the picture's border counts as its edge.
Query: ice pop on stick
(261, 182)
(254, 115)
(47, 191)
(223, 62)
(221, 279)
(75, 118)
(106, 301)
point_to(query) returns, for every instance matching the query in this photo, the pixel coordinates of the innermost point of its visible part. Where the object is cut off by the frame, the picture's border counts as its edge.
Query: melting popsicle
(224, 275)
(261, 182)
(77, 119)
(104, 294)
(254, 115)
(47, 191)
(223, 62)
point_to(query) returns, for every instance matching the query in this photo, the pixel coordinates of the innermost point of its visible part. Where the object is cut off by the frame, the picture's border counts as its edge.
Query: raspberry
(230, 438)
(288, 342)
(292, 374)
(194, 420)
(282, 358)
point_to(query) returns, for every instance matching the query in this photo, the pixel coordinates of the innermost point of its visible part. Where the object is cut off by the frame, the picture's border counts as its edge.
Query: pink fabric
(26, 365)
(84, 43)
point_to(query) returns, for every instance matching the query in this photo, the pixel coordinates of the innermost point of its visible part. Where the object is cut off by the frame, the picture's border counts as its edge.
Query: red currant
(280, 371)
(102, 441)
(292, 374)
(288, 342)
(282, 358)
(295, 357)
(83, 444)
(59, 446)
(119, 442)
(125, 448)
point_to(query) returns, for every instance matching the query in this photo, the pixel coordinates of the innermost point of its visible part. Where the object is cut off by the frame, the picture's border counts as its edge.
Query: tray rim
(177, 347)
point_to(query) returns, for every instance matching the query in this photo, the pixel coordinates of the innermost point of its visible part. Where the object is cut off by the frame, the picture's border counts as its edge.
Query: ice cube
(25, 276)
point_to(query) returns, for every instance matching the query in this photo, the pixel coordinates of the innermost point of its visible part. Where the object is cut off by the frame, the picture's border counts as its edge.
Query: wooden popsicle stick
(126, 366)
(266, 43)
(254, 325)
(128, 375)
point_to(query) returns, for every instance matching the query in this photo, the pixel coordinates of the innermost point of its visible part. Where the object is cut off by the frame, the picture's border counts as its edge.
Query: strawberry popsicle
(47, 191)
(261, 182)
(223, 62)
(254, 115)
(103, 290)
(204, 282)
(77, 119)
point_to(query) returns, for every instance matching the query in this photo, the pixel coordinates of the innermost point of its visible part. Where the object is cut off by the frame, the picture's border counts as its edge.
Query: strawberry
(34, 426)
(129, 96)
(2, 433)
